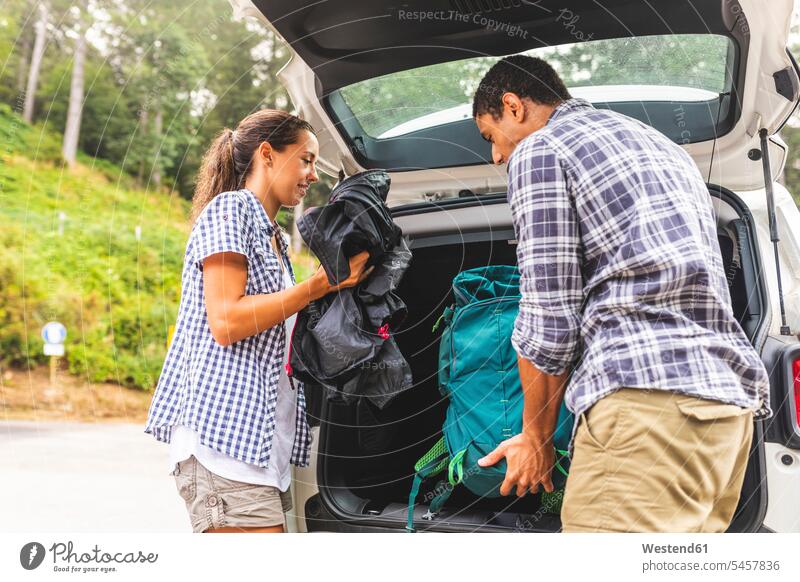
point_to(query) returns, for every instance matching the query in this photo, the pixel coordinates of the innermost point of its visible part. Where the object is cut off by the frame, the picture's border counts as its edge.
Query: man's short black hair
(522, 75)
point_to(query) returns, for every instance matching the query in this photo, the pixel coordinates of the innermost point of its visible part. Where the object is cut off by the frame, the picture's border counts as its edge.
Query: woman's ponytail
(226, 164)
(217, 172)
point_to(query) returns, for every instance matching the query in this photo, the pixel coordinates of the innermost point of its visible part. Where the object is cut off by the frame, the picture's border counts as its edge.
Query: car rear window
(679, 68)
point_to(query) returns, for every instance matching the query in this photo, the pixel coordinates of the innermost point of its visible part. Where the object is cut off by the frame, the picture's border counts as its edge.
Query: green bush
(116, 296)
(34, 142)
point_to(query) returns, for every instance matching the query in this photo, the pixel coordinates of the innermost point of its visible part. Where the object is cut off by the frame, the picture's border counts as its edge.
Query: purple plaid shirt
(621, 271)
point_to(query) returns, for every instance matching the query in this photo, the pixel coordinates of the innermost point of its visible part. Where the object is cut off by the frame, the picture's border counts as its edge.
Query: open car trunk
(381, 85)
(366, 455)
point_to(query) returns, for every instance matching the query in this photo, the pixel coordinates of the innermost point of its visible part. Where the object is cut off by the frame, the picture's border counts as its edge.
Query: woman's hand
(357, 273)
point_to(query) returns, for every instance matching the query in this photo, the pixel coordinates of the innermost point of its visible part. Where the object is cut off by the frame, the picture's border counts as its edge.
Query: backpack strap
(444, 488)
(456, 465)
(446, 315)
(431, 463)
(551, 502)
(564, 454)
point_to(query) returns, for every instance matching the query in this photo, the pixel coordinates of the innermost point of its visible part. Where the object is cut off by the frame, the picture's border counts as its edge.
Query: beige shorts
(214, 501)
(656, 461)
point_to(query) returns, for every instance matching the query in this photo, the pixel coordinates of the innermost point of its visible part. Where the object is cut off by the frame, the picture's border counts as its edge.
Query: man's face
(517, 121)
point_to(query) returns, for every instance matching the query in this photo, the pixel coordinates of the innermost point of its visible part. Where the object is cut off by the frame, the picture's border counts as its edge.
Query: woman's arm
(233, 316)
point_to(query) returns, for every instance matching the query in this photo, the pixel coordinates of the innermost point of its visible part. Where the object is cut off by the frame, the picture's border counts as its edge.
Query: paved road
(74, 477)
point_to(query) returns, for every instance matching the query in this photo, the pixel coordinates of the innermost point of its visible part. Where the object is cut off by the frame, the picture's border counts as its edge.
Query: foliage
(115, 294)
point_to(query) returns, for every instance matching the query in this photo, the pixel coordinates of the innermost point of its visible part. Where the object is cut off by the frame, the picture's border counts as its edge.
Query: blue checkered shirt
(621, 273)
(228, 394)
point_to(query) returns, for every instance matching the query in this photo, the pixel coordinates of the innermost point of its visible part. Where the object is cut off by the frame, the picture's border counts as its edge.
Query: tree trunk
(158, 125)
(297, 240)
(142, 131)
(24, 60)
(73, 130)
(36, 63)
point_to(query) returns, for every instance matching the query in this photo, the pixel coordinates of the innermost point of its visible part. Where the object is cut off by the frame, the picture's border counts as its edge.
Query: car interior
(367, 454)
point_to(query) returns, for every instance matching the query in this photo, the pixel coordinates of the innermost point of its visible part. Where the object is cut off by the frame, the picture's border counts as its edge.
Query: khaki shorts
(214, 501)
(656, 461)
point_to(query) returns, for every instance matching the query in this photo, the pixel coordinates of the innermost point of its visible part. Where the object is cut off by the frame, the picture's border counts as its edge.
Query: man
(623, 285)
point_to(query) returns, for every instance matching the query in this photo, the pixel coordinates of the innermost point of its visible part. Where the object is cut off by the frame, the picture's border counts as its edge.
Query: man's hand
(529, 464)
(530, 455)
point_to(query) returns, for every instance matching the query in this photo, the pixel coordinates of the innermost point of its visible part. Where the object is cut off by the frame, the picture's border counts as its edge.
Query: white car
(389, 86)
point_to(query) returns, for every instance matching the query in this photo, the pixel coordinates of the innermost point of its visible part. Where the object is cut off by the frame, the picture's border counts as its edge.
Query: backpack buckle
(429, 515)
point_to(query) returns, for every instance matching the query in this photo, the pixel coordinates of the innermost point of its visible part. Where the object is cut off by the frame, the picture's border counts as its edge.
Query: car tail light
(796, 376)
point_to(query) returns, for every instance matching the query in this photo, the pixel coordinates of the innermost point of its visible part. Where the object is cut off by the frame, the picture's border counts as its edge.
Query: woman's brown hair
(227, 162)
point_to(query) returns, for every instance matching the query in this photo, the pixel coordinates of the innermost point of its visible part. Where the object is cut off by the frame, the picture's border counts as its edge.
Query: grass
(69, 252)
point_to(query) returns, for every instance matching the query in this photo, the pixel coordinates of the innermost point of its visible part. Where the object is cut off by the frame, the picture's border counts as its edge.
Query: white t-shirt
(186, 442)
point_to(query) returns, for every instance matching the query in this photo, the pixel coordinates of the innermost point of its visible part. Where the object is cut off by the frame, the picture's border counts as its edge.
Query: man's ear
(515, 106)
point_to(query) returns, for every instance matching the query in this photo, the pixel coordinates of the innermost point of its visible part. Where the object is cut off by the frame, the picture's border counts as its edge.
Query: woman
(224, 402)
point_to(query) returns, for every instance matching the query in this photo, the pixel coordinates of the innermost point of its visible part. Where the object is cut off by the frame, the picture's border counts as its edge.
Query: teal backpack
(478, 373)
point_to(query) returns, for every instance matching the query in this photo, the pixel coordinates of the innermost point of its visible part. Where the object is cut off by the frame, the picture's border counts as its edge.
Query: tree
(75, 108)
(36, 61)
(241, 77)
(21, 15)
(162, 70)
(148, 85)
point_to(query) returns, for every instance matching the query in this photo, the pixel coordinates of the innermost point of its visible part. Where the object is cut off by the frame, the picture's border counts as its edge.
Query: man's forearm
(543, 394)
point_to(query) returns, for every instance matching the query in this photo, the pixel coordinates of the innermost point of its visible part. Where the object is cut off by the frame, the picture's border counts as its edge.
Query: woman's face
(294, 169)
